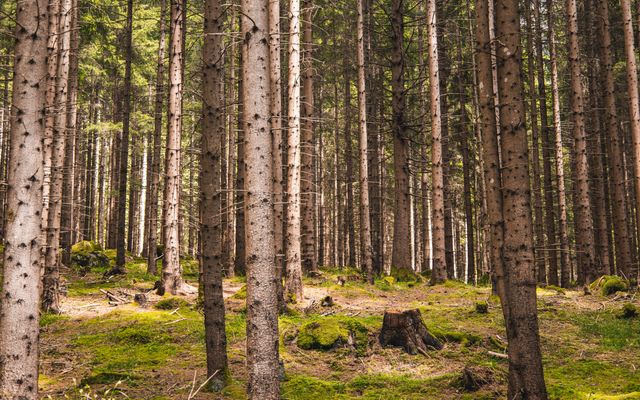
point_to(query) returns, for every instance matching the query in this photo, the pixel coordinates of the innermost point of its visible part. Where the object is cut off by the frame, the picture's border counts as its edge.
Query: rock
(141, 299)
(407, 330)
(327, 301)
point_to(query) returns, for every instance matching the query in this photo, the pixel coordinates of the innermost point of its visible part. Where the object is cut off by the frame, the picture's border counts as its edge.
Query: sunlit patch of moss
(369, 386)
(331, 332)
(591, 379)
(612, 333)
(47, 319)
(171, 303)
(609, 284)
(240, 294)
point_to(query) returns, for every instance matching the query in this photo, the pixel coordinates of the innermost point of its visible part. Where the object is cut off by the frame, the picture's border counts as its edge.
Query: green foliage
(240, 294)
(464, 338)
(404, 275)
(172, 303)
(87, 255)
(611, 332)
(575, 380)
(557, 289)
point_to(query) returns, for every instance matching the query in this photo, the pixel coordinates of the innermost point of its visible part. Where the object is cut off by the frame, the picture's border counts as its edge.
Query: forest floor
(98, 350)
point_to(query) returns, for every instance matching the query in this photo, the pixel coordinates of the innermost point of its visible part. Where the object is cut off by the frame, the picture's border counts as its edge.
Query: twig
(499, 355)
(192, 393)
(112, 296)
(173, 322)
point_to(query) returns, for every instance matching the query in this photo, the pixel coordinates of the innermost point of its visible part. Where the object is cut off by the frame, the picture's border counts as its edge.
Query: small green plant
(628, 311)
(557, 289)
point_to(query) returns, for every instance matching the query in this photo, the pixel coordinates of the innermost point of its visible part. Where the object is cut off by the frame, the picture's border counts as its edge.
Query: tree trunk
(154, 168)
(581, 204)
(19, 320)
(262, 301)
(171, 279)
(613, 144)
(565, 264)
(365, 228)
(401, 257)
(51, 300)
(240, 259)
(526, 378)
(211, 227)
(634, 107)
(307, 191)
(349, 218)
(293, 235)
(407, 330)
(550, 212)
(439, 273)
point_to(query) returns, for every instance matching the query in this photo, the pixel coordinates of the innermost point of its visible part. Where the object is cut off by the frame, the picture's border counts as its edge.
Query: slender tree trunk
(307, 147)
(262, 300)
(565, 264)
(550, 212)
(154, 169)
(613, 144)
(349, 218)
(581, 204)
(538, 226)
(232, 107)
(20, 301)
(293, 234)
(634, 107)
(439, 273)
(51, 300)
(240, 259)
(401, 257)
(365, 228)
(171, 279)
(211, 227)
(526, 379)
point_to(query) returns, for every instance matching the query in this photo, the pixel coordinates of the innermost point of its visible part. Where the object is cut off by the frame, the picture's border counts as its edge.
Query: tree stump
(405, 329)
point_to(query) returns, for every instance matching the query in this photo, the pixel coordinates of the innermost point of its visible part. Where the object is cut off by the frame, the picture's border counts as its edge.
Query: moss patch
(331, 332)
(610, 284)
(172, 303)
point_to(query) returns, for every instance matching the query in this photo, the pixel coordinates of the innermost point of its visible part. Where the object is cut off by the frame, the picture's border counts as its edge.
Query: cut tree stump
(405, 329)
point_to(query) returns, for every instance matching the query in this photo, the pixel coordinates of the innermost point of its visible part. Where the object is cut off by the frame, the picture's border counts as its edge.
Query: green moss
(240, 294)
(557, 289)
(105, 378)
(482, 307)
(404, 275)
(609, 331)
(464, 338)
(325, 333)
(589, 379)
(610, 284)
(172, 303)
(628, 311)
(47, 319)
(87, 255)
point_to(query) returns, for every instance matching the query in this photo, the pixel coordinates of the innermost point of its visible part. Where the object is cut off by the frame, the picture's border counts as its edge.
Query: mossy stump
(405, 329)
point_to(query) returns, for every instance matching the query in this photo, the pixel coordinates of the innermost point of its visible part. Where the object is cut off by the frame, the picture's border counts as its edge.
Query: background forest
(251, 199)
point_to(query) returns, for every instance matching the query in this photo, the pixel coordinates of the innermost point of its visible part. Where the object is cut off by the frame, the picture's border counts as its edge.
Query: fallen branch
(113, 297)
(499, 355)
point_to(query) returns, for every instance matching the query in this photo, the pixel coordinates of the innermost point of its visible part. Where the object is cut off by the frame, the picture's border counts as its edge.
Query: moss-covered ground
(105, 351)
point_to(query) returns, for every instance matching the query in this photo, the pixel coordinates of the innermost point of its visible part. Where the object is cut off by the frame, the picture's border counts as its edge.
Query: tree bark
(20, 301)
(613, 144)
(262, 301)
(582, 203)
(293, 235)
(439, 273)
(171, 280)
(51, 300)
(401, 256)
(365, 228)
(526, 379)
(211, 228)
(565, 259)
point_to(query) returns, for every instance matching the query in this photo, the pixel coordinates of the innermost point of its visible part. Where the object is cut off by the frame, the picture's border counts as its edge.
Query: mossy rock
(172, 303)
(628, 311)
(240, 294)
(463, 338)
(332, 332)
(610, 284)
(482, 307)
(87, 255)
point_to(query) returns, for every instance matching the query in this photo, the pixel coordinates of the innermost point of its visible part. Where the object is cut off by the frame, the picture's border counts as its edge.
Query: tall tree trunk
(293, 235)
(581, 204)
(550, 212)
(20, 301)
(51, 300)
(66, 216)
(365, 228)
(124, 147)
(526, 379)
(211, 227)
(154, 169)
(277, 143)
(613, 145)
(171, 279)
(262, 300)
(240, 256)
(307, 191)
(565, 259)
(230, 239)
(634, 107)
(349, 218)
(401, 256)
(439, 273)
(538, 226)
